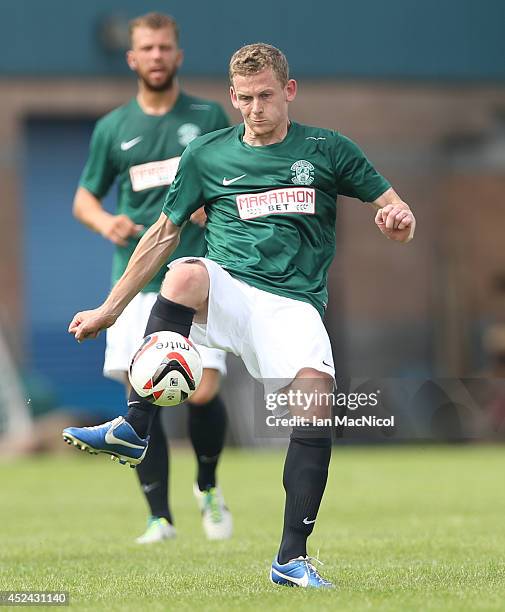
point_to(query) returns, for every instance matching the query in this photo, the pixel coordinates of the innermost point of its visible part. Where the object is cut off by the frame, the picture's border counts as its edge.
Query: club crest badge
(302, 172)
(187, 132)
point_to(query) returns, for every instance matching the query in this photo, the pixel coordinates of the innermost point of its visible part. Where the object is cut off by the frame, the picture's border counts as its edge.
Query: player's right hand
(119, 228)
(89, 323)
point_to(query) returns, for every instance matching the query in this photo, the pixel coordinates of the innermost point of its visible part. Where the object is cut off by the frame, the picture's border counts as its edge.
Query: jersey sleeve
(185, 194)
(99, 173)
(356, 177)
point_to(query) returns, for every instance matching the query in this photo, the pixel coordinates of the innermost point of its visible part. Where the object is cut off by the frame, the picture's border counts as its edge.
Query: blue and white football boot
(116, 438)
(299, 572)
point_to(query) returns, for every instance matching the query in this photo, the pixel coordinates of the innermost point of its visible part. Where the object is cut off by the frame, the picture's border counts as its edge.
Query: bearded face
(155, 57)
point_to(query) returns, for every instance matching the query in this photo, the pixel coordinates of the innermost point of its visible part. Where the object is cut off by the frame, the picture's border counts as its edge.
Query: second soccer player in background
(140, 144)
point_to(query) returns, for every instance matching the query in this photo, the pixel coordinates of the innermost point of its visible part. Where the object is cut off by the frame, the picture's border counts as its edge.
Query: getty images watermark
(321, 405)
(382, 409)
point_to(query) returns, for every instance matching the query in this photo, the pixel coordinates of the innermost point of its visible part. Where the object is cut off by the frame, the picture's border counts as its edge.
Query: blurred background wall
(419, 85)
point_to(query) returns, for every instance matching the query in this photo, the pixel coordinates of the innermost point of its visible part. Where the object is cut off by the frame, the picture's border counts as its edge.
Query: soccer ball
(166, 369)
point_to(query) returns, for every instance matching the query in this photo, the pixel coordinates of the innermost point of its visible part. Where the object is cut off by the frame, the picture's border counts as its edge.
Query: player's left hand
(89, 323)
(396, 222)
(199, 217)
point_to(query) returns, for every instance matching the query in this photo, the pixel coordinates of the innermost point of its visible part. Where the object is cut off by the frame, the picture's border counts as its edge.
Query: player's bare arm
(155, 247)
(89, 211)
(394, 217)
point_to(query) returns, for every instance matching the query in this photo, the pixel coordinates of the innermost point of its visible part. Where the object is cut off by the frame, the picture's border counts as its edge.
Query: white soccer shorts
(275, 336)
(124, 338)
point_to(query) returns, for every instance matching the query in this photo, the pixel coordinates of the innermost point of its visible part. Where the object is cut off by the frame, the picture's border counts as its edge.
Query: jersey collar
(287, 140)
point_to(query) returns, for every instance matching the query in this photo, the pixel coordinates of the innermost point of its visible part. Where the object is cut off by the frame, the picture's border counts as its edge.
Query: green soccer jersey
(272, 209)
(143, 151)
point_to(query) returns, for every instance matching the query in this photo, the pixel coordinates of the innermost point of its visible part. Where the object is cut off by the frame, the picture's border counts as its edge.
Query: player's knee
(201, 397)
(208, 387)
(187, 283)
(316, 393)
(185, 277)
(323, 378)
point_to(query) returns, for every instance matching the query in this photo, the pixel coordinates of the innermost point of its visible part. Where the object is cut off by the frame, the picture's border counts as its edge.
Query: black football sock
(207, 430)
(165, 315)
(305, 475)
(141, 414)
(170, 316)
(153, 472)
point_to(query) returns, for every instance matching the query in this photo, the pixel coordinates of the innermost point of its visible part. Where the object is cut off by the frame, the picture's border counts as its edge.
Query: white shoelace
(312, 569)
(114, 421)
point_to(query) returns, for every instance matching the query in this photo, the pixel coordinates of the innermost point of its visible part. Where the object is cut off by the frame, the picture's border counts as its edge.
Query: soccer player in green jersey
(140, 145)
(270, 187)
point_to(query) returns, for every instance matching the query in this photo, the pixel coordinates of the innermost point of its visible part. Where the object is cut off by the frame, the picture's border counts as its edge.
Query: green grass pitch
(401, 529)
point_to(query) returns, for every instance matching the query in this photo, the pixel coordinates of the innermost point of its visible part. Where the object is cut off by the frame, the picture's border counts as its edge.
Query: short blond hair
(154, 21)
(252, 59)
